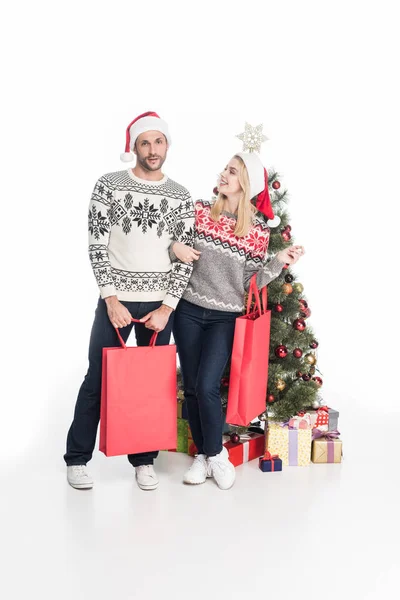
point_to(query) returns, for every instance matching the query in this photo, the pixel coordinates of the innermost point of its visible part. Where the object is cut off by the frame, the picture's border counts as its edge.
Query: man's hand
(157, 319)
(118, 314)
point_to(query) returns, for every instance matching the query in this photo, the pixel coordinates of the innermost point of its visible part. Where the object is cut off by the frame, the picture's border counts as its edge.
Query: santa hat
(258, 178)
(149, 121)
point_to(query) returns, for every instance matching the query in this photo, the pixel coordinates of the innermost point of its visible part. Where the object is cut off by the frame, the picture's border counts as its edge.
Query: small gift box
(250, 446)
(300, 421)
(292, 445)
(324, 418)
(326, 447)
(270, 462)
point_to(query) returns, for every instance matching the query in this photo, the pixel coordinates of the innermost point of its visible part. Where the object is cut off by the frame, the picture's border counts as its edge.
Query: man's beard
(148, 167)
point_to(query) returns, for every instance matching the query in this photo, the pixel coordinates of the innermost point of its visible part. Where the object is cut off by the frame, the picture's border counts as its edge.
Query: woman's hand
(185, 253)
(290, 255)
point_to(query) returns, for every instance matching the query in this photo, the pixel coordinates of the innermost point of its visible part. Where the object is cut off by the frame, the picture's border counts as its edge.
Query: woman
(232, 239)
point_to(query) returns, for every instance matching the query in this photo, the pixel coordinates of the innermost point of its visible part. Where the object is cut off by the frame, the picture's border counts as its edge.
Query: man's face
(151, 150)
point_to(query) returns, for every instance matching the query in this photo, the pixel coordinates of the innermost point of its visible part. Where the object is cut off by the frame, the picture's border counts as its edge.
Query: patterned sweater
(132, 223)
(227, 262)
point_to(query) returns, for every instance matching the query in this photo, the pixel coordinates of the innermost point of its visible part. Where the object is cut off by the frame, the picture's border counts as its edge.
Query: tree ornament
(252, 138)
(299, 374)
(299, 324)
(235, 437)
(287, 288)
(276, 185)
(263, 417)
(281, 351)
(288, 227)
(285, 266)
(280, 385)
(316, 404)
(312, 370)
(215, 191)
(303, 304)
(297, 352)
(306, 377)
(278, 308)
(314, 344)
(289, 278)
(270, 398)
(310, 358)
(298, 288)
(286, 236)
(318, 381)
(225, 381)
(305, 313)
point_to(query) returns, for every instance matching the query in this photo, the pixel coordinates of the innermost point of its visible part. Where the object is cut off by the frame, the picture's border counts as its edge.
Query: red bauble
(289, 278)
(299, 324)
(270, 398)
(281, 351)
(278, 308)
(318, 380)
(299, 374)
(297, 352)
(303, 304)
(288, 228)
(235, 438)
(285, 267)
(225, 381)
(314, 344)
(276, 185)
(306, 313)
(286, 236)
(306, 377)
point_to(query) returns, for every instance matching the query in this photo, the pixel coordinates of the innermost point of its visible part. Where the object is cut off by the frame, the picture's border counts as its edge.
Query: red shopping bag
(249, 364)
(138, 399)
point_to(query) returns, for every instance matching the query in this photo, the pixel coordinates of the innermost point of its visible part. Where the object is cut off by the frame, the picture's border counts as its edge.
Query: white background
(321, 77)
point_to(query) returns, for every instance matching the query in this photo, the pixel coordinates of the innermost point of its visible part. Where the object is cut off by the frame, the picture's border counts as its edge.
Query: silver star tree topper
(252, 138)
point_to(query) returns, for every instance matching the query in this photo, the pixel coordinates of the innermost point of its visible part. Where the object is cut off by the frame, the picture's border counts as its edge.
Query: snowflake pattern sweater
(227, 262)
(132, 223)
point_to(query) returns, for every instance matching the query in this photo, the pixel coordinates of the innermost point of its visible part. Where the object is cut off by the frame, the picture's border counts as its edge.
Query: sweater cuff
(108, 290)
(171, 301)
(275, 266)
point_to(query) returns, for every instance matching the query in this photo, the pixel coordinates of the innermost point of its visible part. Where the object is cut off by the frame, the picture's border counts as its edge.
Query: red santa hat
(258, 178)
(148, 121)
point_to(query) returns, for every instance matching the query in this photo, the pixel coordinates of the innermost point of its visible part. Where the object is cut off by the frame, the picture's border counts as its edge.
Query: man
(134, 217)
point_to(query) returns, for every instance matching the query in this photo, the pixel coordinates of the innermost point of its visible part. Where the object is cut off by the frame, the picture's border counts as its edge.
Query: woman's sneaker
(146, 477)
(221, 468)
(79, 478)
(197, 473)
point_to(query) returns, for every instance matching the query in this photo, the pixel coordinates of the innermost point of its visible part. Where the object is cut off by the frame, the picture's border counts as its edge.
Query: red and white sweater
(227, 262)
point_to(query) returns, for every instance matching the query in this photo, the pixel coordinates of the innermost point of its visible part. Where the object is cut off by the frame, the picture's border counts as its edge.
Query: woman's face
(229, 178)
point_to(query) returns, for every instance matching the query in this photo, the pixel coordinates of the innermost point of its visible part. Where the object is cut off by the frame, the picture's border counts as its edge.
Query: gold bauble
(280, 384)
(310, 358)
(287, 288)
(298, 287)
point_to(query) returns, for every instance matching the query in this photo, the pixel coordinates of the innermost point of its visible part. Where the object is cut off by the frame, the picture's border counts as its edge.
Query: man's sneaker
(221, 468)
(146, 477)
(197, 472)
(79, 478)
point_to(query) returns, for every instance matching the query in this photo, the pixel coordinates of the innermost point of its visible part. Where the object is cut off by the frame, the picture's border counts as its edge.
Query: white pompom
(126, 156)
(275, 222)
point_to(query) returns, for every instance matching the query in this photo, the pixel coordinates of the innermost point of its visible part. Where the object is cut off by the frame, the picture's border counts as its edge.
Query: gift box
(326, 447)
(292, 445)
(300, 421)
(250, 446)
(270, 463)
(324, 418)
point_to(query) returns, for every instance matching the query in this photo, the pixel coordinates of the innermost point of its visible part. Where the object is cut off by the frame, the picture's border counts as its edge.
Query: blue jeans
(204, 339)
(82, 433)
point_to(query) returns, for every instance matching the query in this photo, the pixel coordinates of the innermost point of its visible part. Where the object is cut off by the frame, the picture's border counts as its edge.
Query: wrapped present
(300, 421)
(250, 446)
(292, 445)
(270, 462)
(326, 447)
(325, 418)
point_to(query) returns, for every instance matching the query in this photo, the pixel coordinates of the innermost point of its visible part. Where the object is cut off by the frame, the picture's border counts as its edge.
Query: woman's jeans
(204, 339)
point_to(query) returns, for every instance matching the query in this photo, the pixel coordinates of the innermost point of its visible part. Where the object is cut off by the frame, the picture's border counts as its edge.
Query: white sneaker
(197, 472)
(146, 477)
(221, 468)
(79, 478)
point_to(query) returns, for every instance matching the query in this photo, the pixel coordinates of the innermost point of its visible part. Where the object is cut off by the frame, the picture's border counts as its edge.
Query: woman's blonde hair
(246, 210)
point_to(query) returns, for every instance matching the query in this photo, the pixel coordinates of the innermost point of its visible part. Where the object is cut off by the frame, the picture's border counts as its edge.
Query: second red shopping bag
(138, 399)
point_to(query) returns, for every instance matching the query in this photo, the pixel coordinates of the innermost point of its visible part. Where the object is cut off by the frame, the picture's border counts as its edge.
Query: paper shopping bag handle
(254, 291)
(152, 339)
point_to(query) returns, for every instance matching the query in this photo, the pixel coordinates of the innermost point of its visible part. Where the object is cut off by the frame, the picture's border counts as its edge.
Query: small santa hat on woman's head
(258, 178)
(148, 121)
